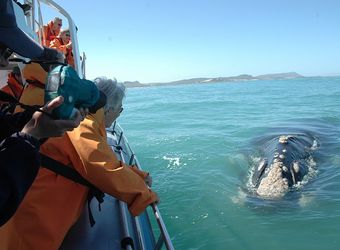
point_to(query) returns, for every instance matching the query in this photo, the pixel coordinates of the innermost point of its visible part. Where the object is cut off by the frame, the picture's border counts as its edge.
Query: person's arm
(46, 36)
(19, 166)
(37, 124)
(43, 126)
(19, 156)
(11, 123)
(101, 167)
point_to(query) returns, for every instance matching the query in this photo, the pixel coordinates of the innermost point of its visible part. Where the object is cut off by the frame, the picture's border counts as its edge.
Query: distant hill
(244, 77)
(134, 84)
(288, 75)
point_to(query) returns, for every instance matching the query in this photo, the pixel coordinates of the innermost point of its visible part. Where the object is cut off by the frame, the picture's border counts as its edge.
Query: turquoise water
(199, 142)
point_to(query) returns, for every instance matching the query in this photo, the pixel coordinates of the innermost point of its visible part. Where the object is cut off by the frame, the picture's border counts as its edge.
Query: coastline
(201, 80)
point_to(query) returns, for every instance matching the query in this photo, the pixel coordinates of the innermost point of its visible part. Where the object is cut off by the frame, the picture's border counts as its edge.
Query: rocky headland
(240, 78)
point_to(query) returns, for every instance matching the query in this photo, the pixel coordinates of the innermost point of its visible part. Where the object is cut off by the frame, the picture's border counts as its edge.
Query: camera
(78, 93)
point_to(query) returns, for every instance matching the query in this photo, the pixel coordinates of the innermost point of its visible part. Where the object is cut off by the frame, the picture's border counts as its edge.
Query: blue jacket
(19, 162)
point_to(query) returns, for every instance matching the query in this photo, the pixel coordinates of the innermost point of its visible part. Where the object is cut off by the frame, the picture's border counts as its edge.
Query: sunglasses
(112, 110)
(59, 24)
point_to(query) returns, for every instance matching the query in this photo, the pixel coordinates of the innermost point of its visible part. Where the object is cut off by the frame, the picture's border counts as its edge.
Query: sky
(168, 40)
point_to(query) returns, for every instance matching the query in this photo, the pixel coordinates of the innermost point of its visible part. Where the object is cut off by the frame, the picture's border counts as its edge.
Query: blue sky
(167, 40)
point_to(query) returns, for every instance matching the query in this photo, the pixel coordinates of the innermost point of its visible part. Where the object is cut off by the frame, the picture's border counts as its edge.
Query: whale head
(284, 166)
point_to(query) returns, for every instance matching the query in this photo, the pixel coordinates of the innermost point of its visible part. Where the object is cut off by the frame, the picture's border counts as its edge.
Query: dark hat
(13, 37)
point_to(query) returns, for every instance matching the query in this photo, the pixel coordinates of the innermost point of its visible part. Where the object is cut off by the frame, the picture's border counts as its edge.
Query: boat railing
(32, 22)
(123, 144)
(83, 65)
(40, 24)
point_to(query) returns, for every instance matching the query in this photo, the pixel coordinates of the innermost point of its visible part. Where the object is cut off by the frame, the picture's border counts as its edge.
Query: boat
(115, 227)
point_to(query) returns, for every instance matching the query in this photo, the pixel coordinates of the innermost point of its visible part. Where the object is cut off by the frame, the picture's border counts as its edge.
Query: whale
(284, 164)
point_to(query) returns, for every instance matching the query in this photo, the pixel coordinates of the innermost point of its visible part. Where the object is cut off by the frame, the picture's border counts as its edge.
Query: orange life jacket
(33, 94)
(48, 34)
(13, 87)
(58, 44)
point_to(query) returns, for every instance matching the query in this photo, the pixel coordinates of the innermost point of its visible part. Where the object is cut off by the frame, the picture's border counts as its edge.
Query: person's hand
(157, 199)
(69, 45)
(43, 126)
(148, 180)
(83, 112)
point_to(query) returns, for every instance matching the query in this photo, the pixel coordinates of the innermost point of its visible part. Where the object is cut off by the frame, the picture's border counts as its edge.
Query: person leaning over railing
(54, 203)
(50, 31)
(20, 133)
(63, 43)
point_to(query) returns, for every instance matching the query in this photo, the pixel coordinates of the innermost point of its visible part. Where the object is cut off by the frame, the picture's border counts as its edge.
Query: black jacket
(19, 162)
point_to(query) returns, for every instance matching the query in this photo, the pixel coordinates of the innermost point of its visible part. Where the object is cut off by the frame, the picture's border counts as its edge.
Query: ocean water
(199, 143)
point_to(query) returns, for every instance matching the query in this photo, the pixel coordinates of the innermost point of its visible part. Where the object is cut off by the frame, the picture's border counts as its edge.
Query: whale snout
(284, 166)
(274, 184)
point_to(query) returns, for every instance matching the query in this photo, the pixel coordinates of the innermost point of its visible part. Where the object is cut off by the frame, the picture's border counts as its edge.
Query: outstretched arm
(43, 126)
(100, 166)
(19, 156)
(19, 166)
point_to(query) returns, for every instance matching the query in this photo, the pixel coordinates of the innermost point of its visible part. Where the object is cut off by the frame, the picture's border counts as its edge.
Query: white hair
(114, 91)
(64, 31)
(56, 19)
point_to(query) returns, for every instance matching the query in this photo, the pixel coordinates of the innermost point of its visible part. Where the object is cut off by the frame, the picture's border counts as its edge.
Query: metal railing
(31, 20)
(164, 237)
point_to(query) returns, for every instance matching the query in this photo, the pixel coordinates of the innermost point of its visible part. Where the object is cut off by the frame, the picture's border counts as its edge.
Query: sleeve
(141, 173)
(45, 35)
(11, 123)
(20, 163)
(101, 167)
